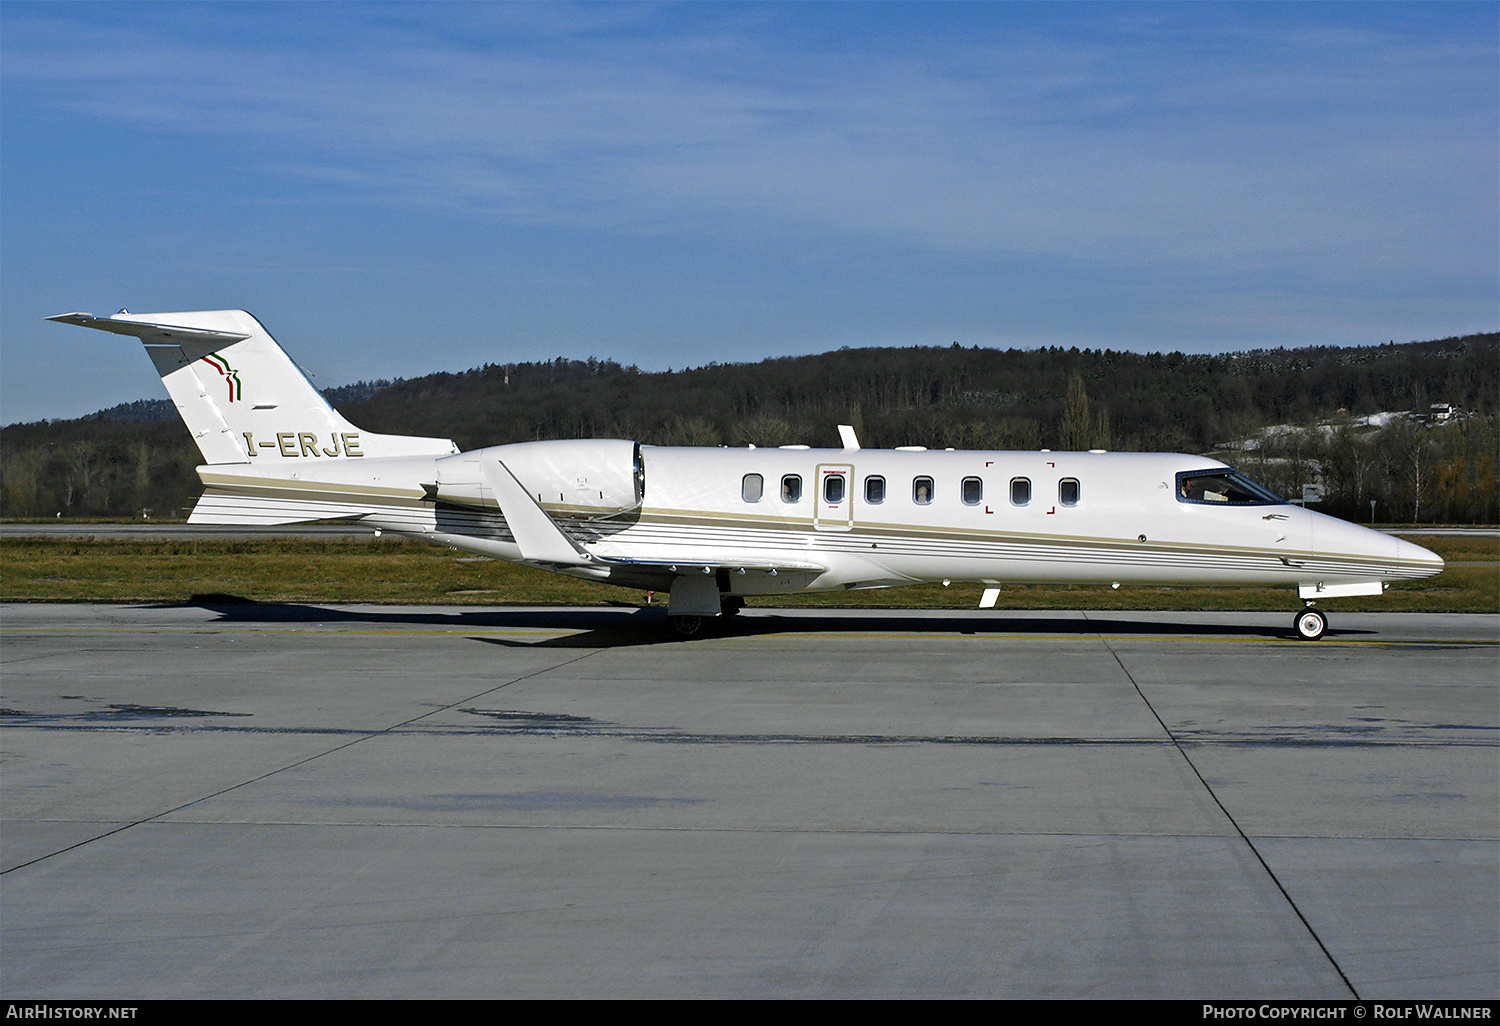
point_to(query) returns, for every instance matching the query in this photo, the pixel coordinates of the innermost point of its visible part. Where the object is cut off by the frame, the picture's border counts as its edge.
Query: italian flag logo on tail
(231, 376)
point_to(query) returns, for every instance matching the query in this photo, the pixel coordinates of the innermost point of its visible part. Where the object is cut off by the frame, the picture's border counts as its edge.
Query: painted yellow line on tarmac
(1153, 636)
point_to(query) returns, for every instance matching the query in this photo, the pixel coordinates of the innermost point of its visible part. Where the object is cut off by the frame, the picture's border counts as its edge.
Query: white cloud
(1242, 142)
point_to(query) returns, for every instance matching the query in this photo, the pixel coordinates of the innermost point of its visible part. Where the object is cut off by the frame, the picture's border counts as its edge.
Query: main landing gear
(1310, 624)
(693, 625)
(687, 626)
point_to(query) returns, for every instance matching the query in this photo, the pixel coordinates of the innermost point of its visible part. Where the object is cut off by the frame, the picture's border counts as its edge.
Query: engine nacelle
(588, 476)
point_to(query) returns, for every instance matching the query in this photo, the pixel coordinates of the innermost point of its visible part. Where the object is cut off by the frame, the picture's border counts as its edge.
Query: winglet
(535, 532)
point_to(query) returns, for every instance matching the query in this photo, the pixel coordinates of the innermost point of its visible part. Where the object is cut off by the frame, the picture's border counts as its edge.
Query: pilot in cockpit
(1204, 489)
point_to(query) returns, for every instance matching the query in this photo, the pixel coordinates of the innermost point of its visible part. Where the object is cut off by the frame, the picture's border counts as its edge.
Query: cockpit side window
(1225, 487)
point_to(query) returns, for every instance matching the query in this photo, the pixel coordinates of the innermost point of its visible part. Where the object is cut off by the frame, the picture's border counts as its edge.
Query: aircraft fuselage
(712, 525)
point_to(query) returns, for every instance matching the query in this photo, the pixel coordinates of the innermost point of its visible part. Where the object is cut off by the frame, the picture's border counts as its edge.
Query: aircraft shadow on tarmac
(619, 626)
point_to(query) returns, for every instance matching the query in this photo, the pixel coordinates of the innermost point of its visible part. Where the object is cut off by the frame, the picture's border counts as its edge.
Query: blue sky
(396, 188)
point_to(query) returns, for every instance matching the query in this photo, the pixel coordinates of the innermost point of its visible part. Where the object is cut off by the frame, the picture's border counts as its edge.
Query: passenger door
(833, 509)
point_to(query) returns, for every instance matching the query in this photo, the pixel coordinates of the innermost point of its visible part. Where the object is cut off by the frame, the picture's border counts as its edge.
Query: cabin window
(1020, 491)
(874, 489)
(791, 488)
(921, 490)
(752, 487)
(973, 491)
(1067, 491)
(833, 489)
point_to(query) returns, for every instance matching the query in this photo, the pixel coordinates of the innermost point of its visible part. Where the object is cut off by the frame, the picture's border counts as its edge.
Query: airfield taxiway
(364, 801)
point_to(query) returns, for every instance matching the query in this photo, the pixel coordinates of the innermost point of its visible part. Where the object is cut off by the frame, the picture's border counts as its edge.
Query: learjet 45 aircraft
(710, 526)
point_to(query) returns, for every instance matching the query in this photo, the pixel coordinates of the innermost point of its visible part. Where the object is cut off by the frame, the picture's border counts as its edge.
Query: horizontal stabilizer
(152, 333)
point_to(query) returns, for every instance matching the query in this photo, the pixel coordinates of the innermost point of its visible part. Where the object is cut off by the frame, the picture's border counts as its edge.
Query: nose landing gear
(1310, 624)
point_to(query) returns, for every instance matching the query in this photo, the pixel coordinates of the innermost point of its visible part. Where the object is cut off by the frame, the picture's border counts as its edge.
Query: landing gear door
(834, 505)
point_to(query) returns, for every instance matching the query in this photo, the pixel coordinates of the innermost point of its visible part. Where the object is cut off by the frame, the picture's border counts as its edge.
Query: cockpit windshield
(1224, 486)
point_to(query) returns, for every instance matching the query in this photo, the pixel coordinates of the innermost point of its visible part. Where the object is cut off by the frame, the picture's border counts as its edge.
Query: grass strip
(393, 570)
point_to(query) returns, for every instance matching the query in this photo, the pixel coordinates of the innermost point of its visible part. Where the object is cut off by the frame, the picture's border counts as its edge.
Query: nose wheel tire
(1310, 624)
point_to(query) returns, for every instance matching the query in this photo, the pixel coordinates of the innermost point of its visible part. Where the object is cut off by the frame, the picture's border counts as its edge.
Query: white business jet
(710, 526)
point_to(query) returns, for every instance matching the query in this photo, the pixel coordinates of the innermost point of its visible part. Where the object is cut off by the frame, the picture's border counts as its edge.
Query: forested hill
(937, 396)
(122, 460)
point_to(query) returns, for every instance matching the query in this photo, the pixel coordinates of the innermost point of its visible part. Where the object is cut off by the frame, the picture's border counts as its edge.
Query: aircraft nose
(1418, 558)
(1385, 556)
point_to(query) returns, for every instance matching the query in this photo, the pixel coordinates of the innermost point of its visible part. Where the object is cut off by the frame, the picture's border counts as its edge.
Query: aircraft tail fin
(241, 396)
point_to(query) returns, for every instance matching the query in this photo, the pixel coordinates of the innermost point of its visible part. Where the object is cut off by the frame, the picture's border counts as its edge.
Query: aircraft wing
(541, 540)
(701, 564)
(699, 577)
